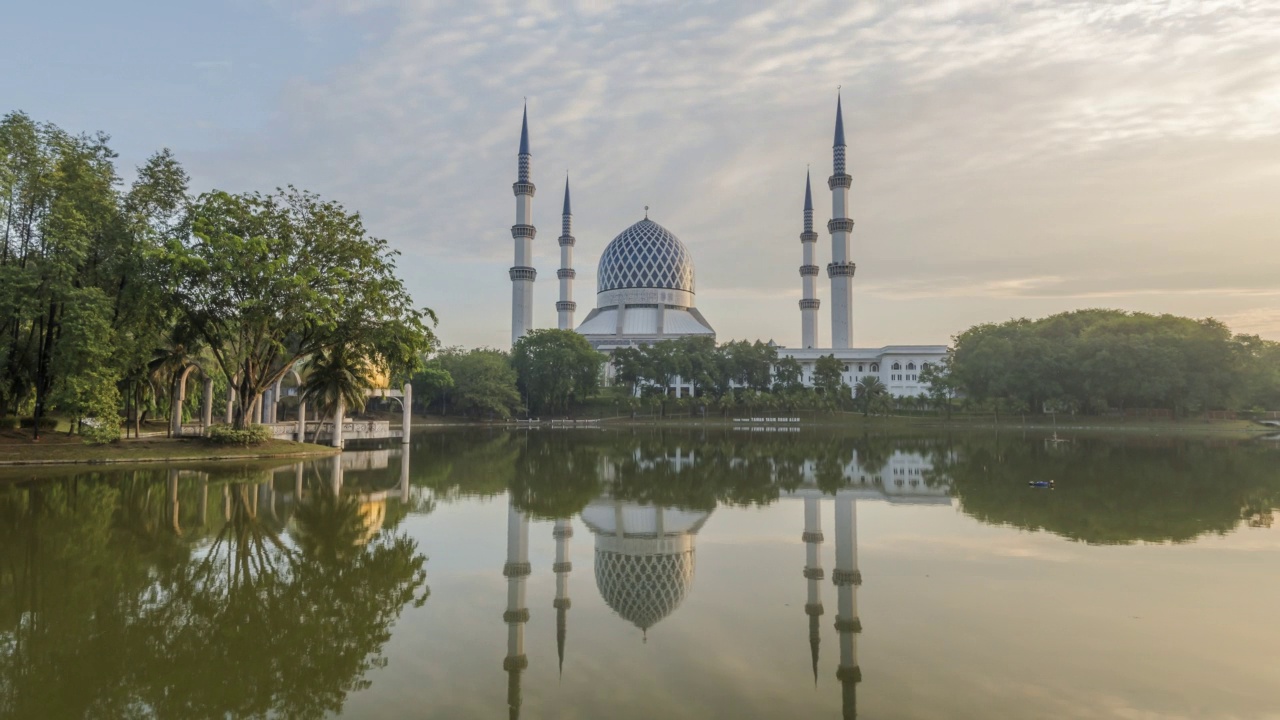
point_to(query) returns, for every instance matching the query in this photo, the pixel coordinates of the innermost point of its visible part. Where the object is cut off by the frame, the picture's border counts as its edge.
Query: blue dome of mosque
(645, 255)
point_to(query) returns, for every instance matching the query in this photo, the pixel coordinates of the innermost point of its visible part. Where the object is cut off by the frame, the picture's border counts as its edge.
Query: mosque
(645, 286)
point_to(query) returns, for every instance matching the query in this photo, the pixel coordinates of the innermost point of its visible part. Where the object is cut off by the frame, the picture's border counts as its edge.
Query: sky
(1010, 158)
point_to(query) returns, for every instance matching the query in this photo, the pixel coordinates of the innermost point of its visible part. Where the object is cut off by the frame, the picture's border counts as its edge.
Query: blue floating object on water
(1041, 484)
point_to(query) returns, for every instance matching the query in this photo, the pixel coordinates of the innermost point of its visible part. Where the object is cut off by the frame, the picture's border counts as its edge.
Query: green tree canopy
(555, 368)
(267, 280)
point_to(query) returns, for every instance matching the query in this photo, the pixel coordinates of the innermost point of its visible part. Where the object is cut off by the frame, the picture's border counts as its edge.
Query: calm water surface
(643, 574)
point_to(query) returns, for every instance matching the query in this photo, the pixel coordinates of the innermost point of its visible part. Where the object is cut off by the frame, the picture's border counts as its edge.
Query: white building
(645, 286)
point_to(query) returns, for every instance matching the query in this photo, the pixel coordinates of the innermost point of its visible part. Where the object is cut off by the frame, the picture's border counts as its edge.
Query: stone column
(206, 405)
(302, 421)
(177, 398)
(231, 405)
(339, 417)
(407, 408)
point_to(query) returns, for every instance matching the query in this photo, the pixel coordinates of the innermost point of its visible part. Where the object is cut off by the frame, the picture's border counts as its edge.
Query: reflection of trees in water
(96, 622)
(1116, 491)
(1109, 491)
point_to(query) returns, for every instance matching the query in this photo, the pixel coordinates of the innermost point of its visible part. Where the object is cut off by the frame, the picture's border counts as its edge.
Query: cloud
(999, 149)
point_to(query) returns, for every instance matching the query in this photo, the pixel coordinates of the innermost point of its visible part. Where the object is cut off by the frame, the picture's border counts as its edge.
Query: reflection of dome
(644, 557)
(645, 255)
(643, 589)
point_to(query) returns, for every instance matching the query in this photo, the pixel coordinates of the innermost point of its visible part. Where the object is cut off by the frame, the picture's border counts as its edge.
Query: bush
(46, 423)
(229, 435)
(8, 423)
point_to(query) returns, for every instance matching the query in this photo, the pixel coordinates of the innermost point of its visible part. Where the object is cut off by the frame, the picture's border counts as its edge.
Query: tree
(828, 375)
(336, 378)
(939, 384)
(484, 383)
(787, 374)
(871, 395)
(555, 367)
(431, 383)
(270, 279)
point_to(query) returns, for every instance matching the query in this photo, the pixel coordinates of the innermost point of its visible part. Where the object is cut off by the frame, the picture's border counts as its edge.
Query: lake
(653, 573)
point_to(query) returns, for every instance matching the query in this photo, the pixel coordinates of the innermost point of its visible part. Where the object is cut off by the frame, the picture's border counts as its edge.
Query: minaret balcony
(846, 577)
(849, 674)
(848, 625)
(561, 567)
(814, 573)
(524, 231)
(566, 273)
(561, 603)
(516, 570)
(836, 225)
(567, 241)
(835, 270)
(523, 273)
(515, 663)
(511, 617)
(807, 270)
(563, 532)
(813, 609)
(566, 306)
(841, 180)
(811, 537)
(524, 188)
(808, 236)
(810, 304)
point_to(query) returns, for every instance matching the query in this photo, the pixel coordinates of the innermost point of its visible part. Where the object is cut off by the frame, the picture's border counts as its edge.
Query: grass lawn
(17, 447)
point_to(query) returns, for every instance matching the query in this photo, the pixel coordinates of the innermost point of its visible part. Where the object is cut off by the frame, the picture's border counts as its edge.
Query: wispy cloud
(1000, 149)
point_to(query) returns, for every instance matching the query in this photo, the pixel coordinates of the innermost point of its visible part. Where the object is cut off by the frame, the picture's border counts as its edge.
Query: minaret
(566, 306)
(847, 578)
(813, 573)
(563, 531)
(808, 274)
(515, 571)
(841, 268)
(522, 273)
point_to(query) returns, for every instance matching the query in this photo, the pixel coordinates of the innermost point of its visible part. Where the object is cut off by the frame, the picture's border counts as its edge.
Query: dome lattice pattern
(645, 255)
(644, 589)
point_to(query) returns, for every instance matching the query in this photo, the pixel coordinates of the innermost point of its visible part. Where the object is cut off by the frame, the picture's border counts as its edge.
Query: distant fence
(763, 420)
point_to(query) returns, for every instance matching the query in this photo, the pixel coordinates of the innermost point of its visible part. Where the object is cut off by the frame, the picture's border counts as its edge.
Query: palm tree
(337, 376)
(868, 390)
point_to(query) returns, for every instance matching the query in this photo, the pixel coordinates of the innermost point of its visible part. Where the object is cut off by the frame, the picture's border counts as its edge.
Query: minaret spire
(522, 272)
(566, 306)
(840, 269)
(808, 273)
(562, 532)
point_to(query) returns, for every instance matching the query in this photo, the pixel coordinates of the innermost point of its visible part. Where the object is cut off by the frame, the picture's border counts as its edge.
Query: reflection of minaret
(562, 533)
(515, 571)
(813, 573)
(847, 578)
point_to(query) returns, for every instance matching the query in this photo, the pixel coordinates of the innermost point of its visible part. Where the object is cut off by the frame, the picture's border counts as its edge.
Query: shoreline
(151, 451)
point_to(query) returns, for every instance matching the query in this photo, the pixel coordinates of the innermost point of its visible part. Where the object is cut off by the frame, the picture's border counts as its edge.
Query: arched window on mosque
(875, 367)
(860, 368)
(897, 366)
(911, 366)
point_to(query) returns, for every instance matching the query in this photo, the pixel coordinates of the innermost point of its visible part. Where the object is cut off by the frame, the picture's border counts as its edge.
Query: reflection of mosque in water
(644, 558)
